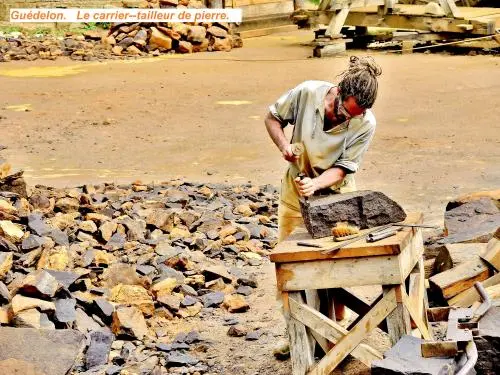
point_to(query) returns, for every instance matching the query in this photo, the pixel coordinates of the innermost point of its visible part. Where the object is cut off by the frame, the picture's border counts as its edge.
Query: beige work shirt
(342, 146)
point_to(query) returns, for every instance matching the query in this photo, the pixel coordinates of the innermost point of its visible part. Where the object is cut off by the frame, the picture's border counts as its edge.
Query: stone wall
(5, 5)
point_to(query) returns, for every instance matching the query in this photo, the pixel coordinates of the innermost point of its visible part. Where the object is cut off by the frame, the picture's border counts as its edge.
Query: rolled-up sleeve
(286, 107)
(352, 156)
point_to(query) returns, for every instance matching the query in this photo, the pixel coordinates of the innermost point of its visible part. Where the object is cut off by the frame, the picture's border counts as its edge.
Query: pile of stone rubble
(112, 265)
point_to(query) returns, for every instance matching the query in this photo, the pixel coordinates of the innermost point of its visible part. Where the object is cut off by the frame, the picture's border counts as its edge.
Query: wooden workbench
(311, 282)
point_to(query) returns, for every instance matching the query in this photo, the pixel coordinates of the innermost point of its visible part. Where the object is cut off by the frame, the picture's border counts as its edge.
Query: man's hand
(307, 186)
(288, 155)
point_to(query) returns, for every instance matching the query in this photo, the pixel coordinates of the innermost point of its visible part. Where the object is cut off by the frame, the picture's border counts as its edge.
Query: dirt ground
(200, 117)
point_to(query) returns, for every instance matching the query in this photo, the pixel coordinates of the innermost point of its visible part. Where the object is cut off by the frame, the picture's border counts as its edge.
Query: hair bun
(366, 63)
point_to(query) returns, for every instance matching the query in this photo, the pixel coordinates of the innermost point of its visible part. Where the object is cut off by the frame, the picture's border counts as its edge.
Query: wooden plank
(452, 282)
(469, 296)
(492, 253)
(241, 3)
(452, 255)
(313, 301)
(381, 270)
(429, 267)
(412, 253)
(337, 22)
(416, 294)
(289, 251)
(398, 321)
(259, 10)
(349, 342)
(245, 34)
(438, 314)
(300, 353)
(450, 8)
(414, 314)
(443, 349)
(331, 331)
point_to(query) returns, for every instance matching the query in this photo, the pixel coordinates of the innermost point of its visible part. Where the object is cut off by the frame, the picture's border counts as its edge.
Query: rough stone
(133, 295)
(22, 303)
(32, 242)
(158, 39)
(216, 31)
(185, 47)
(40, 284)
(365, 209)
(170, 301)
(475, 216)
(99, 348)
(129, 321)
(88, 226)
(237, 331)
(65, 310)
(236, 303)
(196, 33)
(13, 366)
(56, 259)
(406, 358)
(65, 278)
(212, 299)
(38, 347)
(4, 294)
(37, 225)
(254, 335)
(6, 260)
(105, 309)
(67, 205)
(222, 44)
(116, 242)
(85, 323)
(107, 229)
(188, 301)
(176, 359)
(12, 232)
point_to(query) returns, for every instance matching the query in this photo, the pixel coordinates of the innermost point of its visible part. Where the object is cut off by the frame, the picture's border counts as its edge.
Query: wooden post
(337, 22)
(398, 321)
(300, 343)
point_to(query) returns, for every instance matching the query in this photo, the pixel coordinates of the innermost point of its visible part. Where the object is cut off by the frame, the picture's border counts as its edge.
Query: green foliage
(10, 29)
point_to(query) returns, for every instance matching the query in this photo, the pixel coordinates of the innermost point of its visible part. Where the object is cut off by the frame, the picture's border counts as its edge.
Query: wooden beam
(492, 253)
(349, 342)
(450, 8)
(331, 331)
(416, 294)
(406, 21)
(300, 346)
(432, 349)
(421, 325)
(313, 300)
(381, 270)
(469, 296)
(452, 282)
(337, 21)
(240, 3)
(452, 255)
(398, 321)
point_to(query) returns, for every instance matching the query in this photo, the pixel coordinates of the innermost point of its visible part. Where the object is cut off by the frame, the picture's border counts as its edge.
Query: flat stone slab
(405, 358)
(50, 352)
(365, 209)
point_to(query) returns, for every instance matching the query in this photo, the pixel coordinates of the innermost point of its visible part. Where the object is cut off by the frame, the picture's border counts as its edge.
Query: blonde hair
(360, 80)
